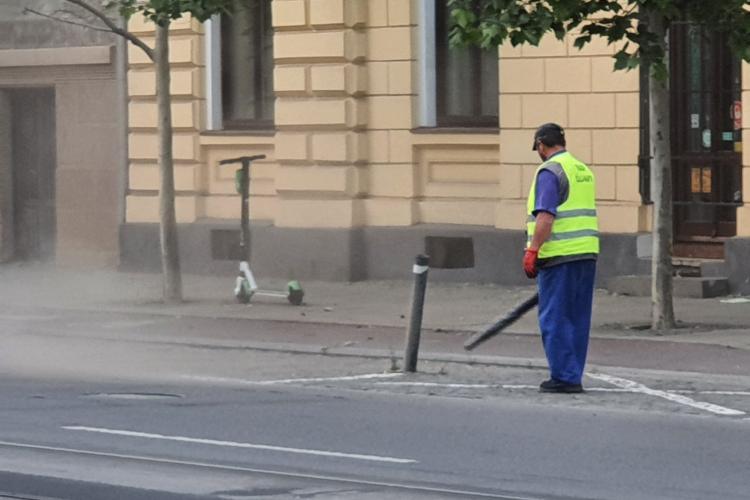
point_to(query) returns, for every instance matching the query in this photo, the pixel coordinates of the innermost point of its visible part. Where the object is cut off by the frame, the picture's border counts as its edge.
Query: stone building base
(737, 258)
(211, 247)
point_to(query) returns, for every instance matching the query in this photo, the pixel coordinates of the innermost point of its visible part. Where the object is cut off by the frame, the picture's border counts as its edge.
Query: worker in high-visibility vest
(561, 252)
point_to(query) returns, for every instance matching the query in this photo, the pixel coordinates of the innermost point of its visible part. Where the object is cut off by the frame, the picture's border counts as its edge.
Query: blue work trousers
(566, 293)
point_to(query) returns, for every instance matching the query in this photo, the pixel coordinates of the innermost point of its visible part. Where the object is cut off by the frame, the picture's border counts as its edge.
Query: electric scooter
(245, 285)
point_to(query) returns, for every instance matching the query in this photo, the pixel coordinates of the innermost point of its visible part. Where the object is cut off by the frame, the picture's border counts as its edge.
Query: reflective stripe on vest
(575, 229)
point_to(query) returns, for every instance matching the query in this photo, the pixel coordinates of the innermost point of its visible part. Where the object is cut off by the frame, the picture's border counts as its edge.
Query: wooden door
(34, 161)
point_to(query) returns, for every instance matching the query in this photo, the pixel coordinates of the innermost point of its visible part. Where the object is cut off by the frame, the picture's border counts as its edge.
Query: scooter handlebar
(241, 159)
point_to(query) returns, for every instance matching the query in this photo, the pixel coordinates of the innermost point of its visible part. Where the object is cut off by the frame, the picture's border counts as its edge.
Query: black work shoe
(559, 386)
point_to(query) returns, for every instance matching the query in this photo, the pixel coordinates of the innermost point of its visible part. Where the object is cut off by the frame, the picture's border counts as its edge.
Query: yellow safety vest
(575, 230)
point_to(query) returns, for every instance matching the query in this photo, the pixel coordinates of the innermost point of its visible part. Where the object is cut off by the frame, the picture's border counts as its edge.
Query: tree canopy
(489, 23)
(162, 12)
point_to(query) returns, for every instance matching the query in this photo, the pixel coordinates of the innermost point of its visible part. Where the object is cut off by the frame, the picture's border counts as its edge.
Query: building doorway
(706, 108)
(33, 165)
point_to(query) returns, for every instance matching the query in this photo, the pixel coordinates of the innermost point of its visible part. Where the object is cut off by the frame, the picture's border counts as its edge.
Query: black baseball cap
(551, 134)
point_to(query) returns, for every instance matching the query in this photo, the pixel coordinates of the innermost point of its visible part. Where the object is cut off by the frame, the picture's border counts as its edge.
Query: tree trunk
(662, 310)
(170, 259)
(7, 234)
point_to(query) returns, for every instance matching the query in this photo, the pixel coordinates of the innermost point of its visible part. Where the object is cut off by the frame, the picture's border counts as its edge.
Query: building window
(466, 79)
(246, 53)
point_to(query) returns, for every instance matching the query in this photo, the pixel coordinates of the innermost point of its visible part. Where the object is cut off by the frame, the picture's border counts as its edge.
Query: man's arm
(547, 200)
(543, 229)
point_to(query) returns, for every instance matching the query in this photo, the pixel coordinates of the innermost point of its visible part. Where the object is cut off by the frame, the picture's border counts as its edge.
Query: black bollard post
(415, 318)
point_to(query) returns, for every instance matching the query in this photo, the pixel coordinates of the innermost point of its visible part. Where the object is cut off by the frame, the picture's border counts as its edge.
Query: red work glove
(529, 262)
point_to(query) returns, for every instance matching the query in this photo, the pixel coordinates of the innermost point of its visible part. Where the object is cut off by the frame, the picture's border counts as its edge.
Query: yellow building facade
(360, 170)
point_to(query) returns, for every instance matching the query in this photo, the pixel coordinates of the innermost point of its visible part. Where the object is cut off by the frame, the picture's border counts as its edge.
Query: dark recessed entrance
(33, 169)
(706, 140)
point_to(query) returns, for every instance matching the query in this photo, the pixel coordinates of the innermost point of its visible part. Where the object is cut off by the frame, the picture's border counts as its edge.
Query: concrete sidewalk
(448, 307)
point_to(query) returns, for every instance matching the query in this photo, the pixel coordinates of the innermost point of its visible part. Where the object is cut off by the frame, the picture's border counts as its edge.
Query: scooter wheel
(295, 294)
(243, 298)
(244, 293)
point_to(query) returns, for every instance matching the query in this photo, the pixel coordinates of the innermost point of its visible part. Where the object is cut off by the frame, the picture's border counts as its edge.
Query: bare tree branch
(67, 21)
(114, 28)
(69, 13)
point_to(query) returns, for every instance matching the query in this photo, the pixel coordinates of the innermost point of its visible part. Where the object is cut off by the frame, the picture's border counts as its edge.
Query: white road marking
(670, 396)
(719, 393)
(128, 324)
(236, 468)
(624, 386)
(233, 444)
(606, 389)
(25, 318)
(289, 380)
(489, 386)
(449, 386)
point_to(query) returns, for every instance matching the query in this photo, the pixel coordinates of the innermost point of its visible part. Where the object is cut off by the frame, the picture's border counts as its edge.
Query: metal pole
(415, 318)
(245, 214)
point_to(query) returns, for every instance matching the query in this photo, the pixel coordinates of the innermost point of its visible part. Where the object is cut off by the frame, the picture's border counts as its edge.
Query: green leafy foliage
(489, 23)
(162, 12)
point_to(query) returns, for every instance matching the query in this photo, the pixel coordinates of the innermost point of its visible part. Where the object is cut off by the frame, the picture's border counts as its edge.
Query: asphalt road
(294, 442)
(91, 409)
